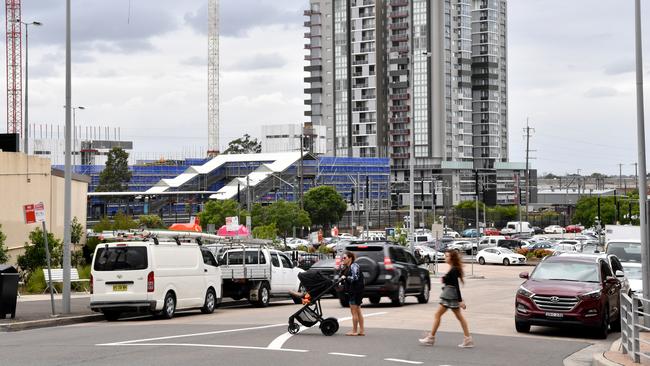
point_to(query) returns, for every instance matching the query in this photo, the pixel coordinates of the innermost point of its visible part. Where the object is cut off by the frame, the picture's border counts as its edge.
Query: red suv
(570, 290)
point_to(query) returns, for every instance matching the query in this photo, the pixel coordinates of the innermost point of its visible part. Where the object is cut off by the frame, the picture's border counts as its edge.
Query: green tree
(151, 222)
(244, 145)
(104, 224)
(215, 212)
(4, 251)
(76, 231)
(325, 205)
(287, 215)
(587, 210)
(122, 221)
(116, 175)
(34, 256)
(269, 232)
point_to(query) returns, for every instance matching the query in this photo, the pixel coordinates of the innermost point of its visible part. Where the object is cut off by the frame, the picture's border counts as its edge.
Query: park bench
(57, 277)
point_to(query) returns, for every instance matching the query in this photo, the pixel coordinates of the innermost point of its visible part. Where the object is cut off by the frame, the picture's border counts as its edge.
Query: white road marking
(278, 342)
(201, 345)
(345, 354)
(190, 335)
(403, 361)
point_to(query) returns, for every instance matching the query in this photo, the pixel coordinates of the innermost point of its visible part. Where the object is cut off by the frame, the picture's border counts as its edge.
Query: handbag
(449, 293)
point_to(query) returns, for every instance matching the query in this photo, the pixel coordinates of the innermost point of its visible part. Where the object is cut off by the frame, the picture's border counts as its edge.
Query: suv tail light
(150, 282)
(337, 262)
(388, 264)
(91, 284)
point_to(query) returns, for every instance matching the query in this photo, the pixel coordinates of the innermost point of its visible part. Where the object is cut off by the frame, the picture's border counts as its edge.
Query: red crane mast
(14, 67)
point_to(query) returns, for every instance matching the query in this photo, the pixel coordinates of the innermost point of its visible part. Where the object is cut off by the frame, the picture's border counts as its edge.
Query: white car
(158, 277)
(451, 233)
(431, 254)
(296, 242)
(563, 247)
(554, 229)
(347, 236)
(498, 255)
(461, 245)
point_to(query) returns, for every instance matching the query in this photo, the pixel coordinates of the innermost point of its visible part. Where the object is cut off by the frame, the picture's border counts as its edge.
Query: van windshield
(121, 259)
(625, 252)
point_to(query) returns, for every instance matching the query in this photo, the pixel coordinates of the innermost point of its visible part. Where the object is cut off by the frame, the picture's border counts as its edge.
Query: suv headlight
(525, 292)
(590, 295)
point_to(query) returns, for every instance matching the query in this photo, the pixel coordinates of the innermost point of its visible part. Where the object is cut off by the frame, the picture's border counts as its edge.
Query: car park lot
(248, 335)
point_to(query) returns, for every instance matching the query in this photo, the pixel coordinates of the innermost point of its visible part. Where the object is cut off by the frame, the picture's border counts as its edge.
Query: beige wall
(29, 179)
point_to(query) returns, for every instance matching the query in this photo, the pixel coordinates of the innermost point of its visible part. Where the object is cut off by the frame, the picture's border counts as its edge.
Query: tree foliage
(151, 222)
(121, 221)
(76, 231)
(35, 257)
(116, 175)
(325, 205)
(587, 210)
(215, 212)
(269, 232)
(4, 251)
(244, 145)
(284, 215)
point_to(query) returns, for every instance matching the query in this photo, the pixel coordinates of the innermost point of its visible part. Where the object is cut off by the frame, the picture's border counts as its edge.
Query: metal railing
(632, 313)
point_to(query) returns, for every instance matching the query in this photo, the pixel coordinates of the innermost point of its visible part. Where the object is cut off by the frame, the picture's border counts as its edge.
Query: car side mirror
(620, 273)
(524, 275)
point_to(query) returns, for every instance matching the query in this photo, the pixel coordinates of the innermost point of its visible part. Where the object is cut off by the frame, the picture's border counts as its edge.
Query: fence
(632, 325)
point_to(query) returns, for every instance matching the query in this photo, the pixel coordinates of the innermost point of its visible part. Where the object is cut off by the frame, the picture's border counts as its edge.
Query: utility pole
(528, 130)
(366, 206)
(423, 222)
(301, 171)
(620, 175)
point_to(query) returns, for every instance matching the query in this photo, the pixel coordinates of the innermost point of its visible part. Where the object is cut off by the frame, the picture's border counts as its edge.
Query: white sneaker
(468, 342)
(428, 340)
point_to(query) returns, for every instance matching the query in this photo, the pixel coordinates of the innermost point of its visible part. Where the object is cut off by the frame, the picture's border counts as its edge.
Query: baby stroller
(311, 312)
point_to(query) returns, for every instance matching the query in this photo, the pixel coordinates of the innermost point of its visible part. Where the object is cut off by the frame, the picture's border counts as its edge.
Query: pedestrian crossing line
(403, 361)
(345, 354)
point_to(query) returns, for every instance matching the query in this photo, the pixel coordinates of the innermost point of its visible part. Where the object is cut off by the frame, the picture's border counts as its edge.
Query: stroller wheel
(294, 328)
(329, 326)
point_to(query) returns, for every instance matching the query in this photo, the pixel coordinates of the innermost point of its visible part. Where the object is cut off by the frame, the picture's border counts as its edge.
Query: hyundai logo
(555, 299)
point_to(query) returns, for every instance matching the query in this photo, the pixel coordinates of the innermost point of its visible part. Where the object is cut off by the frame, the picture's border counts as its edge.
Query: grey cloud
(195, 61)
(601, 92)
(620, 67)
(236, 20)
(260, 62)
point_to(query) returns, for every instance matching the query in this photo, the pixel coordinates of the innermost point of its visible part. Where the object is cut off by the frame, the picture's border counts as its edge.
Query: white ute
(156, 276)
(257, 273)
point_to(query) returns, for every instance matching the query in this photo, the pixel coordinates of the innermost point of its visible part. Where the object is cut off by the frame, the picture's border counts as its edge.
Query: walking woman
(354, 289)
(450, 298)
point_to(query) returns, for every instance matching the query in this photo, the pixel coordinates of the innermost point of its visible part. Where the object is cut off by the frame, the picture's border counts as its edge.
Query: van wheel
(169, 306)
(111, 315)
(210, 302)
(481, 261)
(263, 296)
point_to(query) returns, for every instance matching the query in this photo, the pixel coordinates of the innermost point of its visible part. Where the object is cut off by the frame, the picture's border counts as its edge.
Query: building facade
(288, 137)
(390, 78)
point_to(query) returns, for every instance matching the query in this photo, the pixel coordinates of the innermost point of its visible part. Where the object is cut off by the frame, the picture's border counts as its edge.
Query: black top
(451, 279)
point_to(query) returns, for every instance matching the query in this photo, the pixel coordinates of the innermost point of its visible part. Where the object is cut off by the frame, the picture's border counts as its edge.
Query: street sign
(39, 210)
(34, 213)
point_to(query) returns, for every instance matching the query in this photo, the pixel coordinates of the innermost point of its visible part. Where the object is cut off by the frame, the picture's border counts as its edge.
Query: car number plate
(117, 288)
(555, 315)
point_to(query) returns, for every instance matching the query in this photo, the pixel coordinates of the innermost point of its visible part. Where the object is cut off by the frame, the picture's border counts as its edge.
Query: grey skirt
(449, 304)
(449, 298)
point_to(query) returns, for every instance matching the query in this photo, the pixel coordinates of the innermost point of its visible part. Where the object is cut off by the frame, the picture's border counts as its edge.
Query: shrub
(522, 251)
(325, 250)
(36, 282)
(269, 232)
(34, 256)
(151, 222)
(104, 224)
(541, 253)
(122, 221)
(4, 251)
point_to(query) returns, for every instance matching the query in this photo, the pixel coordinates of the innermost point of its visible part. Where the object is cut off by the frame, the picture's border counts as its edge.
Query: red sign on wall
(34, 213)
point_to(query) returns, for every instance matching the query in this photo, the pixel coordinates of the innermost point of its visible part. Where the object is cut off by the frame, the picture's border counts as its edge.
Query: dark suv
(389, 270)
(570, 290)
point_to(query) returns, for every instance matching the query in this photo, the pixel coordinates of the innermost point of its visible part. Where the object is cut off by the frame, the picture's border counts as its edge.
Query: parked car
(304, 260)
(564, 248)
(428, 254)
(450, 233)
(469, 233)
(490, 231)
(158, 277)
(574, 229)
(569, 290)
(389, 271)
(537, 230)
(499, 255)
(461, 246)
(628, 253)
(510, 244)
(554, 229)
(540, 245)
(514, 227)
(488, 241)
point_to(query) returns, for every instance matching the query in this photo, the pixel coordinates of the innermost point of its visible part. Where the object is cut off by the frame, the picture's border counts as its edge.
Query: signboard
(232, 223)
(34, 213)
(39, 210)
(335, 231)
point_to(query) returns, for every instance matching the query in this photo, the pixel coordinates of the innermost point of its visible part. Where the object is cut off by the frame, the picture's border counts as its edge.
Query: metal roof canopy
(148, 194)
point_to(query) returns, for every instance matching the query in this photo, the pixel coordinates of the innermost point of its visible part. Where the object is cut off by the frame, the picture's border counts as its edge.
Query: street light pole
(67, 212)
(26, 128)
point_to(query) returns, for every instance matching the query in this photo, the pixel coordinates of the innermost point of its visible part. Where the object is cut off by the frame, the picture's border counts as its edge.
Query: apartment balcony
(400, 155)
(399, 2)
(368, 2)
(400, 49)
(399, 96)
(308, 35)
(400, 143)
(403, 25)
(399, 38)
(310, 57)
(357, 133)
(368, 120)
(307, 24)
(400, 132)
(368, 38)
(309, 13)
(360, 86)
(360, 109)
(367, 50)
(398, 72)
(360, 62)
(400, 120)
(367, 14)
(399, 14)
(309, 46)
(400, 108)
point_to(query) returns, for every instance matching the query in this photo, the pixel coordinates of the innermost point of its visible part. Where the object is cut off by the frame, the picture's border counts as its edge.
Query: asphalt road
(249, 336)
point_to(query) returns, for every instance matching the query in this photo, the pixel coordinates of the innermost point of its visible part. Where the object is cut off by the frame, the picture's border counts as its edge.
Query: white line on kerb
(403, 361)
(190, 335)
(202, 345)
(280, 340)
(345, 354)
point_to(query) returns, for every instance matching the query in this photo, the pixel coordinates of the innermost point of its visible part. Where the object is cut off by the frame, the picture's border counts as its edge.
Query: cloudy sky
(141, 65)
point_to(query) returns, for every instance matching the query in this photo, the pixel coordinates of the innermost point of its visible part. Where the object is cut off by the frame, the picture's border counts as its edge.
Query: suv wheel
(522, 327)
(423, 298)
(400, 296)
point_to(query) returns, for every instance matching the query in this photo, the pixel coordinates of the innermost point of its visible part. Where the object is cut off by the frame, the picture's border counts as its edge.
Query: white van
(488, 241)
(159, 277)
(513, 227)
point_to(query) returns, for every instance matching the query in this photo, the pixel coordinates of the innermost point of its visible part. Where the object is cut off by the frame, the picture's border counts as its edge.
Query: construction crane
(14, 67)
(213, 77)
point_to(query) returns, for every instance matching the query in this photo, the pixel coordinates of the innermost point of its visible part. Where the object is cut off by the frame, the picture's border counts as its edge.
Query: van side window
(208, 258)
